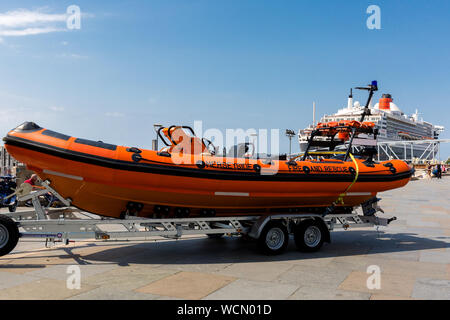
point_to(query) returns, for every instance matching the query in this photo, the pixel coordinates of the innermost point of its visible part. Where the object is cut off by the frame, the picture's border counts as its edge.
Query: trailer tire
(309, 235)
(9, 235)
(274, 238)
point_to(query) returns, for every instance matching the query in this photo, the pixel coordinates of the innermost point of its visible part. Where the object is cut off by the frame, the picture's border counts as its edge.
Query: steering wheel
(209, 146)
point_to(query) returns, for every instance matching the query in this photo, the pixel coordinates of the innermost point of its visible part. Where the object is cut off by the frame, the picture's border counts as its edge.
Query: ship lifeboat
(343, 128)
(186, 177)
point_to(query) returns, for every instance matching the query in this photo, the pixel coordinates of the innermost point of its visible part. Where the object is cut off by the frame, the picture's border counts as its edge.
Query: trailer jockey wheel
(13, 207)
(9, 235)
(309, 236)
(274, 238)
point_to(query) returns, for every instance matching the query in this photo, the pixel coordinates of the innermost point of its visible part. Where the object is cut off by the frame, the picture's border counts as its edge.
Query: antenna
(371, 88)
(314, 113)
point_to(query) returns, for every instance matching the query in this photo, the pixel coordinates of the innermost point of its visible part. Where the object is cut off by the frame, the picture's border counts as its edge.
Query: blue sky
(232, 64)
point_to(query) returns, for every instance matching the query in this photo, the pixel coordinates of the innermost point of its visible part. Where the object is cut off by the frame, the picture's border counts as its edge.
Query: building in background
(10, 166)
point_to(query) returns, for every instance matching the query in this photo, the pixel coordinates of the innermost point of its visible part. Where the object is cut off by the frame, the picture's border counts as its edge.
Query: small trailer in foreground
(310, 230)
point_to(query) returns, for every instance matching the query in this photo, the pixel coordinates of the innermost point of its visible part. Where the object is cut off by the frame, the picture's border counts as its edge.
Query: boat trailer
(271, 231)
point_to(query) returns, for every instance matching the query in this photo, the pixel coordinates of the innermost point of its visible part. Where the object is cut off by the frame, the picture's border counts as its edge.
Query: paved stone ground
(413, 254)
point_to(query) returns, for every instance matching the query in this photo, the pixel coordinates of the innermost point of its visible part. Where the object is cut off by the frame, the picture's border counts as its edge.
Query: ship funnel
(350, 100)
(385, 102)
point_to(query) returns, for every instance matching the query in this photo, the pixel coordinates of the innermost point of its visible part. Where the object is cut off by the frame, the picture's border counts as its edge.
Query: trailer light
(102, 236)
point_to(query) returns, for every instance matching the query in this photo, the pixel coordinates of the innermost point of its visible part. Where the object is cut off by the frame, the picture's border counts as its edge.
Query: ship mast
(350, 100)
(314, 113)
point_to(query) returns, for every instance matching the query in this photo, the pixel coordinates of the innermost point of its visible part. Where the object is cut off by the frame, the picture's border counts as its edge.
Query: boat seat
(239, 151)
(183, 143)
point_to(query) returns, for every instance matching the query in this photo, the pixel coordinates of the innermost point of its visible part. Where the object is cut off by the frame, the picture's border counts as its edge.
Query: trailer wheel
(274, 238)
(9, 235)
(309, 236)
(13, 207)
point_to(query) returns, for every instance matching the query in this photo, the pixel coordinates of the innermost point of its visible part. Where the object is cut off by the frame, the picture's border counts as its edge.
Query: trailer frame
(38, 224)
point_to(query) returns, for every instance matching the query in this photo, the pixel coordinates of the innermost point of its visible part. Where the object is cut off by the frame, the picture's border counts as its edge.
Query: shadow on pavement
(238, 250)
(233, 250)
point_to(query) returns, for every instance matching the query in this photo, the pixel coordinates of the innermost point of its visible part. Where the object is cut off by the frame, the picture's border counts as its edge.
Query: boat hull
(104, 182)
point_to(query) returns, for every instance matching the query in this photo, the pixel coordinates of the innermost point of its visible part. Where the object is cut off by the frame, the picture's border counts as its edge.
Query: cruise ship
(392, 124)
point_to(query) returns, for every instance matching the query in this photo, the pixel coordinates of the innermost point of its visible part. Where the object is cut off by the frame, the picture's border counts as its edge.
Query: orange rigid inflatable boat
(187, 178)
(112, 180)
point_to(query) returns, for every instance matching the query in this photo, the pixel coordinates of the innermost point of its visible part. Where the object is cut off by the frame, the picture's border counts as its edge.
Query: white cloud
(71, 55)
(114, 114)
(23, 18)
(28, 31)
(64, 43)
(23, 22)
(57, 109)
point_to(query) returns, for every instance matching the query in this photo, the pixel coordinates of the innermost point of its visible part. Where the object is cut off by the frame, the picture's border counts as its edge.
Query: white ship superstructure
(392, 123)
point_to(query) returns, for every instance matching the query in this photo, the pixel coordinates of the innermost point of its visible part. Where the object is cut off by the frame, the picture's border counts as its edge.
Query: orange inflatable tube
(107, 179)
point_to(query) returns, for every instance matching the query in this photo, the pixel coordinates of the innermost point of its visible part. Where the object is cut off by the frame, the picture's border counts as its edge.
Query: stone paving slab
(405, 267)
(59, 272)
(8, 280)
(441, 256)
(107, 293)
(386, 297)
(419, 222)
(391, 285)
(326, 293)
(264, 271)
(45, 289)
(435, 289)
(355, 263)
(413, 255)
(187, 285)
(314, 276)
(304, 259)
(253, 290)
(127, 278)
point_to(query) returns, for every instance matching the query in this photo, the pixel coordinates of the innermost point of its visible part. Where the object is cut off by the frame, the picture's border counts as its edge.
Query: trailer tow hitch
(391, 219)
